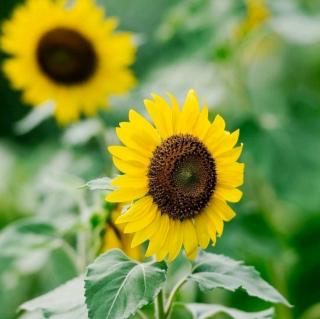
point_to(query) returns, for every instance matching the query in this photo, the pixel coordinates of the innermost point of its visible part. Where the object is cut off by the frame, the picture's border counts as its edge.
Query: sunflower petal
(229, 194)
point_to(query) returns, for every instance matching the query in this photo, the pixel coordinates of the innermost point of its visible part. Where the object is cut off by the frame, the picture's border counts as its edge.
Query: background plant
(266, 83)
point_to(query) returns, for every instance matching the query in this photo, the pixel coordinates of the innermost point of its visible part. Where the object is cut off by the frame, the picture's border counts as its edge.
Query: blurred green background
(260, 69)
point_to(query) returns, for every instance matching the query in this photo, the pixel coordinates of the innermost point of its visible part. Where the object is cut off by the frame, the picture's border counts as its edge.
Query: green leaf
(216, 271)
(35, 118)
(117, 286)
(64, 302)
(203, 311)
(103, 183)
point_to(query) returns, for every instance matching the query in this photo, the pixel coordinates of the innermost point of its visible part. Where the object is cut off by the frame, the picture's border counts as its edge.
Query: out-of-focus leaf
(298, 28)
(29, 251)
(103, 183)
(204, 311)
(36, 116)
(312, 313)
(116, 286)
(216, 271)
(81, 132)
(64, 302)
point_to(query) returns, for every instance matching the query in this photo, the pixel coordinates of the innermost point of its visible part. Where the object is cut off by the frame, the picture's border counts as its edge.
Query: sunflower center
(66, 56)
(182, 176)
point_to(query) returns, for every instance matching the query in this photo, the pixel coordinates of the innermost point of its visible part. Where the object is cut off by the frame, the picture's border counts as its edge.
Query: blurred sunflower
(180, 174)
(257, 14)
(114, 237)
(67, 54)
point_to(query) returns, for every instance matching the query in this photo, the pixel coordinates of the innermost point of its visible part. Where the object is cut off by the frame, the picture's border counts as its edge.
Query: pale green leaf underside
(116, 286)
(216, 271)
(64, 302)
(204, 311)
(103, 183)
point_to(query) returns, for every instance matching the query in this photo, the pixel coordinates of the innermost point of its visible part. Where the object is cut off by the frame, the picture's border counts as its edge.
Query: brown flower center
(66, 56)
(182, 176)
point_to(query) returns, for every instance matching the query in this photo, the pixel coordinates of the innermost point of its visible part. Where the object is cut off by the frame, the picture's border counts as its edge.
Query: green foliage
(204, 311)
(27, 248)
(216, 271)
(266, 83)
(117, 287)
(64, 302)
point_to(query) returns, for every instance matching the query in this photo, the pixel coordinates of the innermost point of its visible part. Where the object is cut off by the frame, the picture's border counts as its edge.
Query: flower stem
(141, 314)
(159, 306)
(173, 294)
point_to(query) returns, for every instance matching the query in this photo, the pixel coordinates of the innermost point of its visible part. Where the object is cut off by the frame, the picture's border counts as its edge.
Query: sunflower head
(114, 237)
(68, 54)
(179, 174)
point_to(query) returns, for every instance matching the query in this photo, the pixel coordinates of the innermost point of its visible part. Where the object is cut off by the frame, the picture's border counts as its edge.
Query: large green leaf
(31, 249)
(64, 302)
(216, 271)
(203, 311)
(117, 286)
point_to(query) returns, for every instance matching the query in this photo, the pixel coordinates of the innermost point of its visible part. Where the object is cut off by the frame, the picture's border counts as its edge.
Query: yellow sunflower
(114, 237)
(179, 174)
(257, 14)
(68, 54)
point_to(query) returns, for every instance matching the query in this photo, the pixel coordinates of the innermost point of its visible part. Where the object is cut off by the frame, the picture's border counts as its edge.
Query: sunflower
(257, 14)
(179, 174)
(68, 54)
(114, 237)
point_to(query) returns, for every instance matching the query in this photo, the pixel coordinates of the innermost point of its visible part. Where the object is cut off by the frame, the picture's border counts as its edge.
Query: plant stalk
(173, 294)
(159, 306)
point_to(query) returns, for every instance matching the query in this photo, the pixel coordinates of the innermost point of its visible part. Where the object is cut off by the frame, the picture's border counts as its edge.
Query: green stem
(173, 294)
(159, 306)
(141, 314)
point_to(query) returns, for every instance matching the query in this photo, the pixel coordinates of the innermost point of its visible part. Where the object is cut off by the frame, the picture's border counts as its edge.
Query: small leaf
(117, 286)
(216, 271)
(35, 118)
(203, 311)
(64, 302)
(103, 183)
(81, 132)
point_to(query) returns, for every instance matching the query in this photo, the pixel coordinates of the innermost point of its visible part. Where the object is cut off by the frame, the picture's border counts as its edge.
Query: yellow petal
(202, 125)
(230, 180)
(189, 114)
(124, 134)
(110, 240)
(225, 144)
(176, 242)
(201, 230)
(216, 219)
(131, 168)
(161, 115)
(126, 195)
(175, 112)
(193, 254)
(157, 240)
(229, 194)
(190, 241)
(127, 181)
(215, 129)
(140, 121)
(211, 227)
(128, 154)
(146, 233)
(136, 211)
(233, 168)
(229, 156)
(141, 223)
(225, 211)
(164, 250)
